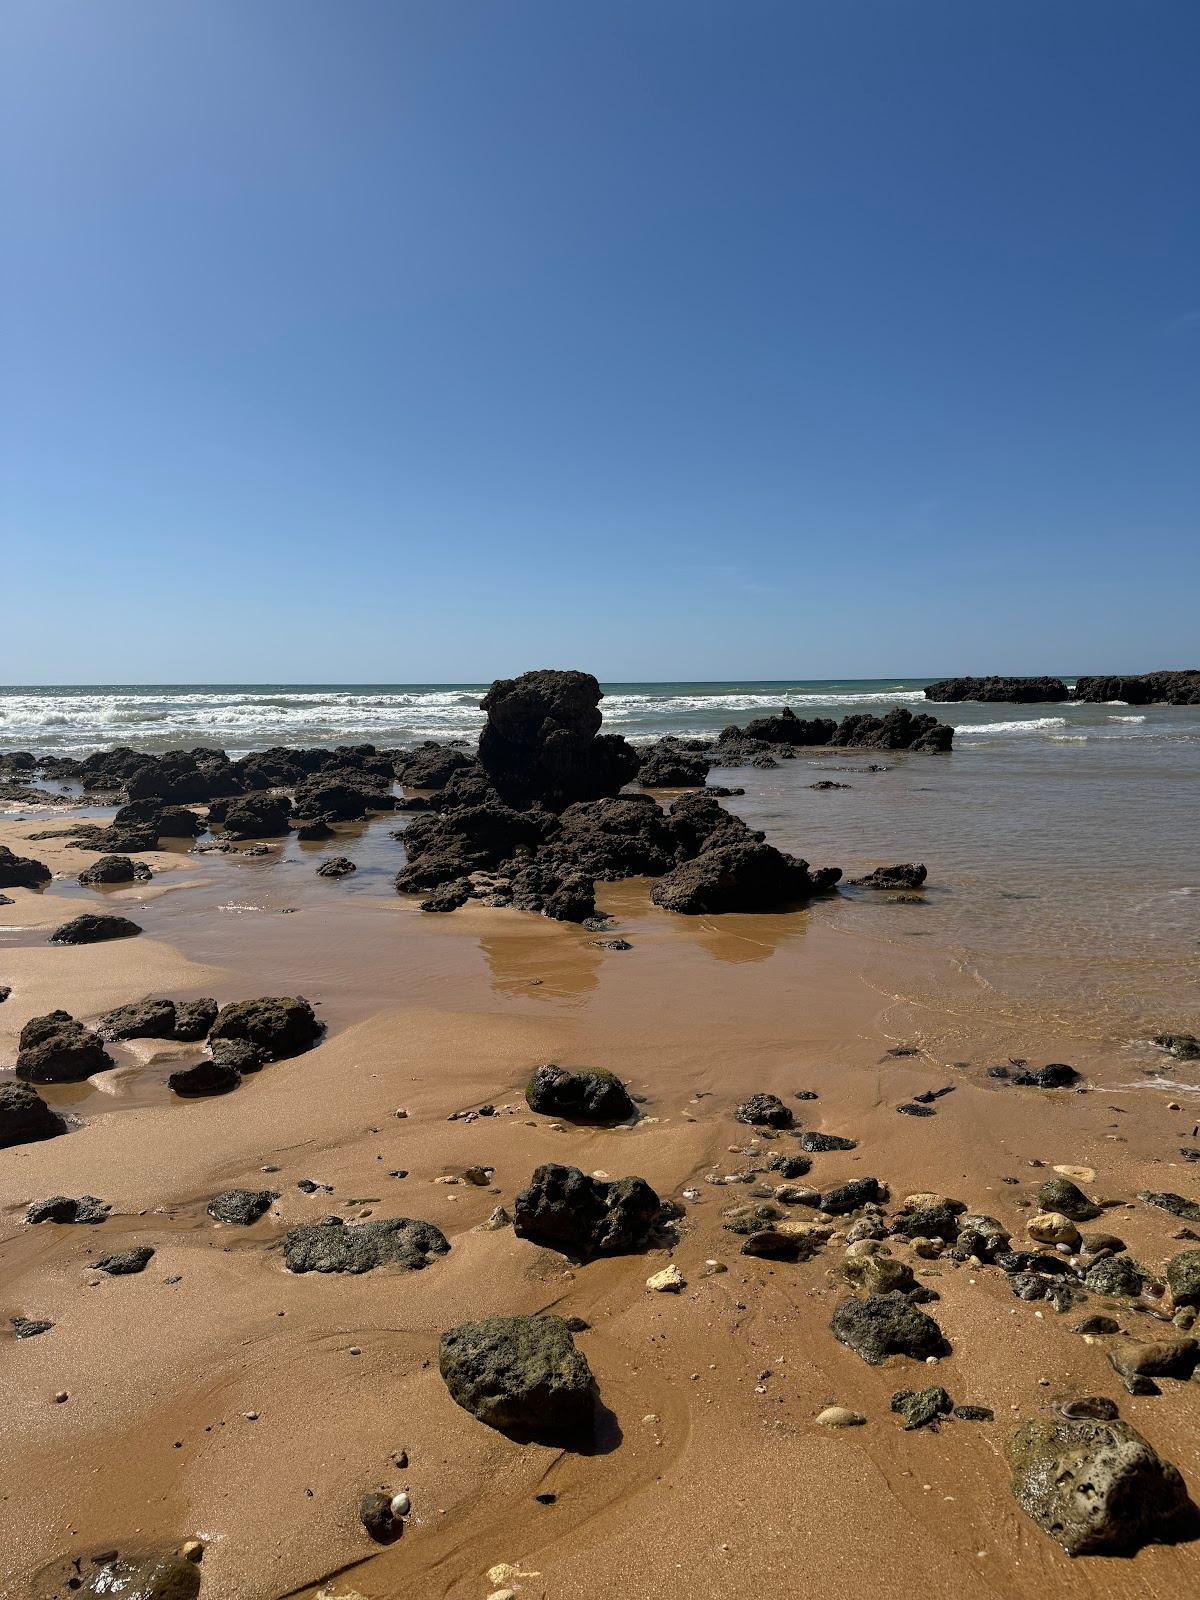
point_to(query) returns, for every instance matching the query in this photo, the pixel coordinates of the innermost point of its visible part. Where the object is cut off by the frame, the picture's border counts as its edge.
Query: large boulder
(253, 816)
(241, 1208)
(113, 869)
(25, 1117)
(56, 1049)
(431, 766)
(588, 1094)
(883, 1325)
(204, 1078)
(667, 766)
(542, 741)
(144, 1019)
(284, 1025)
(92, 928)
(563, 1208)
(193, 1018)
(613, 838)
(335, 1246)
(743, 874)
(1015, 691)
(21, 872)
(1095, 1486)
(336, 800)
(519, 1374)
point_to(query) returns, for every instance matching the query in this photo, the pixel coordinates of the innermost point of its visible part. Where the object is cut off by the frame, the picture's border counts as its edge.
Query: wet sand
(709, 1475)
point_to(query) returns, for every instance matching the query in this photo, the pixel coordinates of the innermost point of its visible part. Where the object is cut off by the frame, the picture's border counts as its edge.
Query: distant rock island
(1139, 689)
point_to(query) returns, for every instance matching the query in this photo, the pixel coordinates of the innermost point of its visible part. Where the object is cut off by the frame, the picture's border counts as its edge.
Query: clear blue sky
(433, 339)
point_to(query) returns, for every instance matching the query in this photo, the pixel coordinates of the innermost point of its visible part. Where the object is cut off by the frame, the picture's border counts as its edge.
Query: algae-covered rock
(883, 1325)
(334, 1246)
(585, 1094)
(284, 1025)
(1183, 1278)
(520, 1374)
(171, 1577)
(764, 1111)
(1094, 1486)
(1066, 1198)
(1118, 1276)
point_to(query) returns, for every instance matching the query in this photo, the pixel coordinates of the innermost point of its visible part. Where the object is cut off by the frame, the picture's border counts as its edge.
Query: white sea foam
(1127, 719)
(969, 730)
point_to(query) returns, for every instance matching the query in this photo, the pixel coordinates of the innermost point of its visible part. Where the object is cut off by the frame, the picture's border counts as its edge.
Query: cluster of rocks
(766, 740)
(244, 1037)
(537, 819)
(1139, 689)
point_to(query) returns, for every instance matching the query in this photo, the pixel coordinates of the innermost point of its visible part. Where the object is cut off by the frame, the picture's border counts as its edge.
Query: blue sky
(434, 339)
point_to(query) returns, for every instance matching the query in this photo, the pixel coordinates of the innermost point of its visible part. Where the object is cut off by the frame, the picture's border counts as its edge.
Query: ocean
(72, 720)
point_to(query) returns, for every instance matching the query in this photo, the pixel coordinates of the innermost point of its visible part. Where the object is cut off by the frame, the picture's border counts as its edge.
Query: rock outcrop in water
(1142, 689)
(1013, 691)
(542, 741)
(900, 729)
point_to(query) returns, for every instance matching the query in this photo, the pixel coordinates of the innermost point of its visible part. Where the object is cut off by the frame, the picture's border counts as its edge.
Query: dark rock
(1183, 1278)
(905, 875)
(1097, 1324)
(93, 929)
(449, 896)
(1008, 691)
(241, 1207)
(125, 1262)
(254, 816)
(1159, 1358)
(114, 869)
(21, 872)
(909, 1109)
(563, 894)
(433, 765)
(57, 1049)
(887, 1324)
(934, 1222)
(822, 1143)
(772, 1245)
(666, 766)
(974, 1413)
(898, 730)
(542, 742)
(1117, 1276)
(170, 1577)
(764, 1111)
(743, 874)
(332, 1246)
(144, 1019)
(922, 1408)
(1183, 1046)
(751, 1218)
(828, 783)
(1180, 688)
(1060, 1194)
(1174, 1203)
(519, 1374)
(283, 1025)
(375, 1514)
(5, 991)
(25, 1118)
(789, 1166)
(614, 838)
(62, 1208)
(336, 867)
(239, 1053)
(585, 1217)
(850, 1196)
(586, 1094)
(1095, 1486)
(337, 801)
(1055, 1075)
(316, 829)
(29, 1327)
(177, 822)
(193, 1019)
(206, 1077)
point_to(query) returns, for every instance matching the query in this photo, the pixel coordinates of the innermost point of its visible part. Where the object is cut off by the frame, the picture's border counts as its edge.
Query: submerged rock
(93, 928)
(25, 1118)
(335, 1246)
(884, 1325)
(905, 875)
(584, 1094)
(1094, 1486)
(284, 1025)
(241, 1207)
(56, 1049)
(519, 1374)
(584, 1217)
(336, 867)
(1183, 1046)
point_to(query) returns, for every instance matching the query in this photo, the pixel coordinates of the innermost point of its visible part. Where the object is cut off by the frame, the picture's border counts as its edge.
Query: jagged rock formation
(1015, 691)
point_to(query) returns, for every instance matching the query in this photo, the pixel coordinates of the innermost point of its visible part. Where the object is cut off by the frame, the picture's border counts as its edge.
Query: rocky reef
(1013, 691)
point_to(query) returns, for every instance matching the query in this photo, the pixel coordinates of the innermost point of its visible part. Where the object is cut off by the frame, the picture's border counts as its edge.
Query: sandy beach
(218, 1396)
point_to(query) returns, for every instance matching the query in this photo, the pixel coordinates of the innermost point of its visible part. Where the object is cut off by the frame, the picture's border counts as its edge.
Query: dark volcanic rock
(239, 1053)
(765, 1111)
(741, 875)
(114, 869)
(334, 1246)
(1016, 691)
(206, 1077)
(817, 1144)
(254, 816)
(1117, 1276)
(584, 1217)
(21, 872)
(57, 1049)
(1168, 1200)
(883, 1325)
(850, 1196)
(519, 1374)
(905, 875)
(89, 928)
(1094, 1485)
(1183, 1046)
(25, 1117)
(666, 766)
(1142, 689)
(613, 838)
(898, 730)
(1055, 1075)
(241, 1207)
(337, 801)
(1183, 1278)
(542, 742)
(771, 1245)
(336, 867)
(560, 893)
(375, 1514)
(193, 1018)
(922, 1408)
(1060, 1194)
(433, 765)
(281, 1024)
(63, 1208)
(316, 829)
(144, 1019)
(29, 1327)
(789, 1166)
(586, 1094)
(125, 1262)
